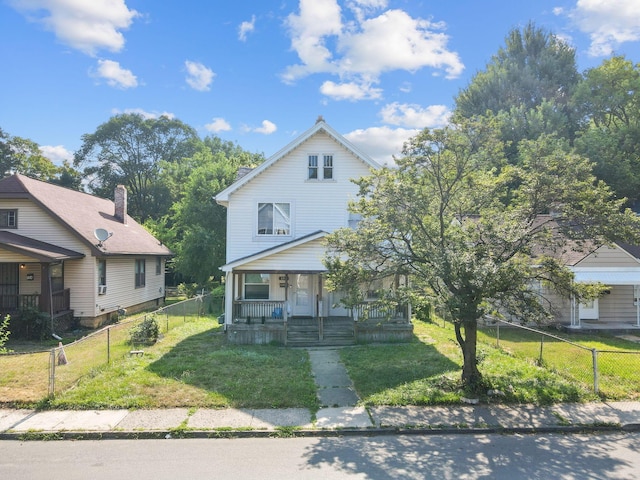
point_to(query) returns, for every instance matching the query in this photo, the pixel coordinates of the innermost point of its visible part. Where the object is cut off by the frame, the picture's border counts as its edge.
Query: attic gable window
(320, 167)
(8, 218)
(274, 219)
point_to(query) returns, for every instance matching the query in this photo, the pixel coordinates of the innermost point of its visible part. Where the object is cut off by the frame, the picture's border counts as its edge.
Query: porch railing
(258, 311)
(376, 311)
(61, 302)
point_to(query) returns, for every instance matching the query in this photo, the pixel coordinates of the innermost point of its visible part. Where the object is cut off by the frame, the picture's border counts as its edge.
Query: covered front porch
(32, 277)
(296, 309)
(618, 309)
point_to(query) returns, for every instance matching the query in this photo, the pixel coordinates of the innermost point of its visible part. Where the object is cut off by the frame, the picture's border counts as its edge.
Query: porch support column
(229, 296)
(637, 302)
(45, 288)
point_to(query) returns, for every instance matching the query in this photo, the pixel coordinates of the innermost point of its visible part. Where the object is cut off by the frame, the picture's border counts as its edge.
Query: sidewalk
(181, 422)
(339, 415)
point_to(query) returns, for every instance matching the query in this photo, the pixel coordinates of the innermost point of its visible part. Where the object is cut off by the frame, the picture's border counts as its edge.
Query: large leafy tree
(529, 84)
(609, 97)
(129, 149)
(469, 227)
(195, 228)
(21, 155)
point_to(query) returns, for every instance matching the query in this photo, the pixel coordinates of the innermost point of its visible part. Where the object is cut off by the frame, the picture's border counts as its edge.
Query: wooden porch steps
(306, 332)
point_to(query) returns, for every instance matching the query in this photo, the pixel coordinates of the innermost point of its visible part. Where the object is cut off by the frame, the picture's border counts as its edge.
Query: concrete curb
(319, 433)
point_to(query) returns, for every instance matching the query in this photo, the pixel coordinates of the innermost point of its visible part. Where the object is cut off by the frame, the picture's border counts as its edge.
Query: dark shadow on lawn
(244, 376)
(375, 368)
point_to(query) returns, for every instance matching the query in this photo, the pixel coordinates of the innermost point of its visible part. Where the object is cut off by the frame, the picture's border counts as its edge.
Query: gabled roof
(41, 251)
(320, 126)
(82, 214)
(273, 250)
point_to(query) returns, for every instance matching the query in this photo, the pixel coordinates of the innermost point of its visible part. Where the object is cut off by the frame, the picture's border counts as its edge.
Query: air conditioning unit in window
(102, 289)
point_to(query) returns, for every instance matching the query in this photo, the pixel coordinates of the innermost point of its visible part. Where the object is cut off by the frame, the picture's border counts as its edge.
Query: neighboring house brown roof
(82, 214)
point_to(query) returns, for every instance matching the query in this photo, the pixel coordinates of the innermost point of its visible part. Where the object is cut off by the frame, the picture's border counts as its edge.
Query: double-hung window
(320, 167)
(327, 171)
(256, 286)
(8, 218)
(140, 277)
(274, 218)
(102, 276)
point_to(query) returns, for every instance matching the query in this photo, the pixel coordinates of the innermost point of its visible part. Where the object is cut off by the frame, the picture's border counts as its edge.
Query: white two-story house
(278, 215)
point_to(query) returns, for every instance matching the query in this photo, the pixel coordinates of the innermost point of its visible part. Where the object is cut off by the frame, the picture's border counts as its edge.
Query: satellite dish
(101, 234)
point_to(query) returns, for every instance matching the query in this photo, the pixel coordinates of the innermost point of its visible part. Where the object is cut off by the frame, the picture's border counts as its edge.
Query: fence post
(594, 354)
(541, 344)
(108, 345)
(498, 335)
(166, 314)
(52, 373)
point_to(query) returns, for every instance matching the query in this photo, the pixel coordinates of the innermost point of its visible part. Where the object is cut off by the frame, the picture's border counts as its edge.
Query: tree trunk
(471, 377)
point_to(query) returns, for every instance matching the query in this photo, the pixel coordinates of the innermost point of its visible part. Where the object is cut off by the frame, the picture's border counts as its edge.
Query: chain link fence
(612, 373)
(30, 377)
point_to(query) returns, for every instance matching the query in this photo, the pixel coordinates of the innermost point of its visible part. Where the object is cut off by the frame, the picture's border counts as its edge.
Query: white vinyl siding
(315, 205)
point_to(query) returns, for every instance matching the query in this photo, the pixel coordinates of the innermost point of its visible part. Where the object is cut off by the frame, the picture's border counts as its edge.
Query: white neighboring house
(52, 260)
(278, 215)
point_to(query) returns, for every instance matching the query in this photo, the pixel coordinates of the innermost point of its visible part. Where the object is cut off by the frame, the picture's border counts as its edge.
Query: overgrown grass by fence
(29, 378)
(608, 365)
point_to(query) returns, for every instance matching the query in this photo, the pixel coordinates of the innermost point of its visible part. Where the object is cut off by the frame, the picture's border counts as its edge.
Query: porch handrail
(257, 311)
(375, 310)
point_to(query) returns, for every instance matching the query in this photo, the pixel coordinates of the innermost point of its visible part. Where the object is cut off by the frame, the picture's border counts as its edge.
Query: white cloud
(349, 91)
(608, 23)
(115, 75)
(318, 19)
(199, 77)
(246, 27)
(415, 116)
(57, 154)
(267, 128)
(218, 124)
(381, 143)
(87, 26)
(144, 113)
(360, 50)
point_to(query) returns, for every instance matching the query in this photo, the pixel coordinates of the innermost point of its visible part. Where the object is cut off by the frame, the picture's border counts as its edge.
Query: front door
(589, 310)
(301, 295)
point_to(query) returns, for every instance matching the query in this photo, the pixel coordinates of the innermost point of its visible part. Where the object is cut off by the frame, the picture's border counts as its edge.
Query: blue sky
(259, 73)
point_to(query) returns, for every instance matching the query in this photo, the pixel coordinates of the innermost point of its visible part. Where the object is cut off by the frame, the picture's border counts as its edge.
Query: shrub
(4, 333)
(146, 332)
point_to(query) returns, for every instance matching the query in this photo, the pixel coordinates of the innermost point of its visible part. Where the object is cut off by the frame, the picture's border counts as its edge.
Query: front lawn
(427, 372)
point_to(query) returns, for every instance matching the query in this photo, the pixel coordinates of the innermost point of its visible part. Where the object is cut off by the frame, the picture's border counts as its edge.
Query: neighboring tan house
(73, 255)
(277, 217)
(617, 267)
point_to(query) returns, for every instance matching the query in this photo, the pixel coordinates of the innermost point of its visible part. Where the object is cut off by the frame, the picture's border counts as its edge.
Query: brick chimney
(120, 202)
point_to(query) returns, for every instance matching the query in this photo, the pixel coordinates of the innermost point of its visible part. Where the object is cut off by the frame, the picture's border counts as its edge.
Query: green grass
(192, 366)
(619, 374)
(427, 372)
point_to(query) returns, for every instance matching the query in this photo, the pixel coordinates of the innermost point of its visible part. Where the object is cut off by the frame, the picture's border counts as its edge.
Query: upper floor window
(320, 167)
(328, 167)
(158, 265)
(313, 167)
(140, 276)
(8, 218)
(274, 219)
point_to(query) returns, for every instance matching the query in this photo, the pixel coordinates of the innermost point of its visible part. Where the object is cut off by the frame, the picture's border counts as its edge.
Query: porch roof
(41, 251)
(608, 277)
(273, 250)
